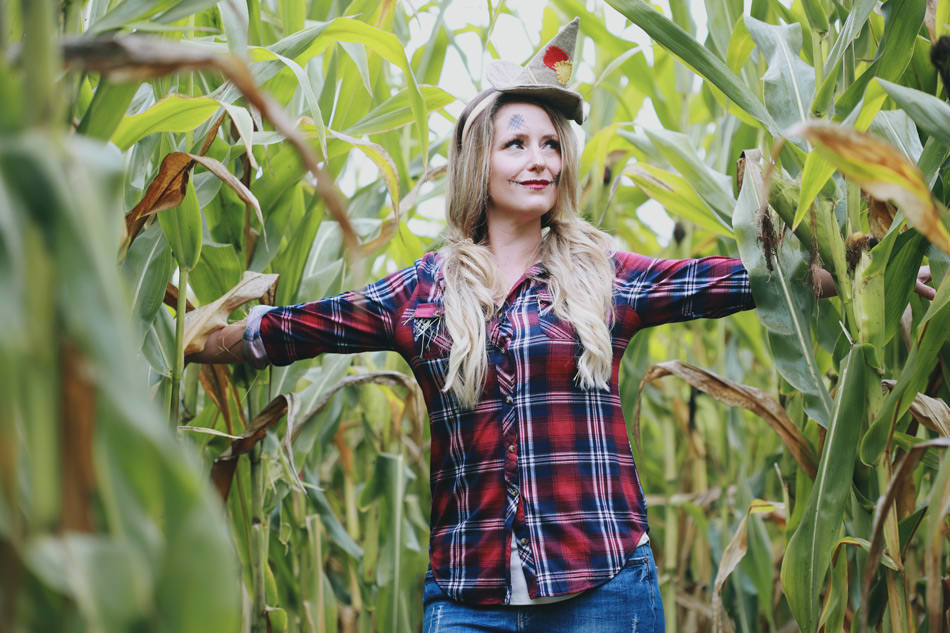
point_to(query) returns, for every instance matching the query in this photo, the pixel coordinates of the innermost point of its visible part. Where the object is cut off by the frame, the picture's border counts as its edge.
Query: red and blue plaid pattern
(538, 458)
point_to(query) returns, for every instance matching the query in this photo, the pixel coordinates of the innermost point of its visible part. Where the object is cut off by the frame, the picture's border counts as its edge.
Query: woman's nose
(536, 159)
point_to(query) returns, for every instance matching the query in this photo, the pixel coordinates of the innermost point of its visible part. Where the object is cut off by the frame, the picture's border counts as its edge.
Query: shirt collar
(536, 271)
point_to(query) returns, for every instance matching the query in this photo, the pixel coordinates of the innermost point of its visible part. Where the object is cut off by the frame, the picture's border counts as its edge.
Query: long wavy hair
(575, 254)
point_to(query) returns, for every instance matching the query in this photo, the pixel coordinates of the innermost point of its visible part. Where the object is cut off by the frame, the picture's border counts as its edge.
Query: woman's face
(525, 163)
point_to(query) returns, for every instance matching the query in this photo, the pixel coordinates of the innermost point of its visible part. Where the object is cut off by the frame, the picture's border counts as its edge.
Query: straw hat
(543, 78)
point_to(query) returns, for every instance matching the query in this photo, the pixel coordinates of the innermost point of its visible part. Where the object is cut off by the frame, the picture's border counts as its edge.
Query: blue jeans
(628, 603)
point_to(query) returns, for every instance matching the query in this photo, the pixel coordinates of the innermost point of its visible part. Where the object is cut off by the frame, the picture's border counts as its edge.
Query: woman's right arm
(225, 345)
(353, 321)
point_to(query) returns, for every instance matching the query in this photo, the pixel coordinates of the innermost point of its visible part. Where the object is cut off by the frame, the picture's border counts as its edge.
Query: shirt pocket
(552, 326)
(427, 321)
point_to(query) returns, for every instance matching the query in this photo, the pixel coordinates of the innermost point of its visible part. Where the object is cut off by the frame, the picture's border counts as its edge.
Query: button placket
(501, 335)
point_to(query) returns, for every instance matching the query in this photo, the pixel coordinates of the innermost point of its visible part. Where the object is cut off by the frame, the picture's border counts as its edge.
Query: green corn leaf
(868, 297)
(856, 20)
(903, 19)
(697, 57)
(818, 169)
(218, 270)
(396, 111)
(292, 14)
(857, 17)
(675, 193)
(934, 537)
(427, 62)
(183, 9)
(594, 157)
(310, 96)
(391, 49)
(109, 104)
(934, 155)
(816, 14)
(741, 46)
(836, 602)
(335, 529)
(300, 46)
(941, 19)
(110, 579)
(722, 17)
(808, 553)
(244, 124)
(931, 336)
(292, 259)
(182, 227)
(130, 11)
(376, 153)
(387, 481)
(783, 297)
(788, 82)
(357, 53)
(903, 261)
(148, 267)
(172, 114)
(927, 111)
(235, 22)
(714, 188)
(882, 171)
(899, 130)
(276, 618)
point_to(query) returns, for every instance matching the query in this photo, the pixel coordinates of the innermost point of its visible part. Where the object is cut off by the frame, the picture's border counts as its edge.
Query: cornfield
(167, 164)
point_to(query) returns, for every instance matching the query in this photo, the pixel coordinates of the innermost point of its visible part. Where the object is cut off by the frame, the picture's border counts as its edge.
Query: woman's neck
(515, 248)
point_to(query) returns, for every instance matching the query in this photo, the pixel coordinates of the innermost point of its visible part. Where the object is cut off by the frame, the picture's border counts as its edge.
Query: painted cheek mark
(516, 122)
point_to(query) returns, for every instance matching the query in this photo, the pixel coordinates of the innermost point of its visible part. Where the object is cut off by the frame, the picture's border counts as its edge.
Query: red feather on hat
(554, 55)
(558, 61)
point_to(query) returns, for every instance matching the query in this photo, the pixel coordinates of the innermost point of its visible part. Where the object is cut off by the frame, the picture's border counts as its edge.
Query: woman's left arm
(669, 290)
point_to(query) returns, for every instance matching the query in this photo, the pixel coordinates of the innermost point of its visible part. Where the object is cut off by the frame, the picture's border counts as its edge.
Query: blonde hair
(575, 254)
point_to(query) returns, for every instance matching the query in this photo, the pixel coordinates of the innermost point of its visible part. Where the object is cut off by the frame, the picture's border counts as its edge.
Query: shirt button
(524, 541)
(508, 399)
(511, 448)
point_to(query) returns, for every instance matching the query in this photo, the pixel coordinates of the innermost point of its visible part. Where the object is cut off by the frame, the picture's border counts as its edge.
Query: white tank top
(519, 585)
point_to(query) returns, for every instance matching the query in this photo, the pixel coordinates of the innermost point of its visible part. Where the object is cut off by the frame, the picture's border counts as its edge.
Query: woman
(515, 330)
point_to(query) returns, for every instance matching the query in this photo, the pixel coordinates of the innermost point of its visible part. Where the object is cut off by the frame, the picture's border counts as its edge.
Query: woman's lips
(535, 184)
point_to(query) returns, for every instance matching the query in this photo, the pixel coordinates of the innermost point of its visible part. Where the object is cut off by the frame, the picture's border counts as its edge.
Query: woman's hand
(224, 345)
(925, 291)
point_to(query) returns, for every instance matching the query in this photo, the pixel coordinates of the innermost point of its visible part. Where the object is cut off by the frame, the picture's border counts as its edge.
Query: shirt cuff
(254, 351)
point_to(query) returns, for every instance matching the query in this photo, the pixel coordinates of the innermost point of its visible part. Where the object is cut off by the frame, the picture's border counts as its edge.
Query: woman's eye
(553, 144)
(515, 142)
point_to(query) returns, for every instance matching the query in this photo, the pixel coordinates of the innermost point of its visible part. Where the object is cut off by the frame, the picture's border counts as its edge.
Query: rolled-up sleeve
(254, 352)
(354, 321)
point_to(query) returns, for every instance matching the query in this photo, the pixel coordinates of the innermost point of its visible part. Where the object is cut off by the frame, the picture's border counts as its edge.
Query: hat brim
(507, 78)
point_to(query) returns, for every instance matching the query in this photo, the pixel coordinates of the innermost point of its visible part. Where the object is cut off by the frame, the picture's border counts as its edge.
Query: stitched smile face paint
(525, 163)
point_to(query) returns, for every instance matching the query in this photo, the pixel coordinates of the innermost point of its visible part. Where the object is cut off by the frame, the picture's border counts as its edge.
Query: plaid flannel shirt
(537, 459)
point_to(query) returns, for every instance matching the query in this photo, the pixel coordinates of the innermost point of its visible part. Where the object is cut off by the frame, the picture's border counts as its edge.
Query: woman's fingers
(924, 290)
